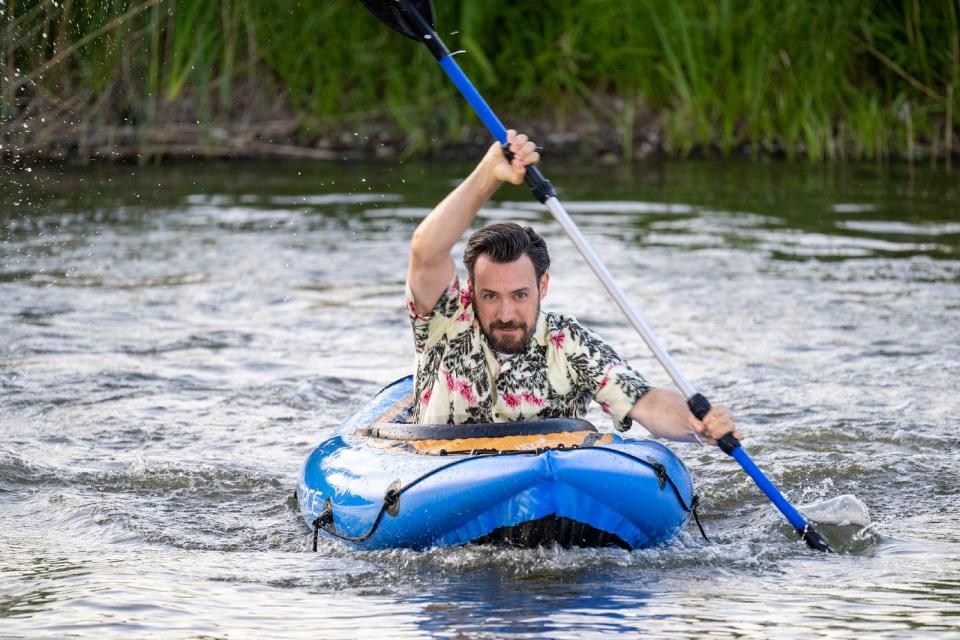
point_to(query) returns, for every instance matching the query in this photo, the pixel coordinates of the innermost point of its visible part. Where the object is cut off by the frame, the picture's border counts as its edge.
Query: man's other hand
(717, 423)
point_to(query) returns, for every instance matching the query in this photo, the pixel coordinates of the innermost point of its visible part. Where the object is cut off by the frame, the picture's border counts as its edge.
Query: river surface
(174, 340)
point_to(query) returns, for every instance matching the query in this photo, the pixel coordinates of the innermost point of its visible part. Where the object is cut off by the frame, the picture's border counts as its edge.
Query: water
(175, 340)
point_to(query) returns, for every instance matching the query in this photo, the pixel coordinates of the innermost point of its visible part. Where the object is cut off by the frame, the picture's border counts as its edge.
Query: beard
(509, 343)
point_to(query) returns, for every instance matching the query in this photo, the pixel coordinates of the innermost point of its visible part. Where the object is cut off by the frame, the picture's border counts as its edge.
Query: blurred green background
(625, 78)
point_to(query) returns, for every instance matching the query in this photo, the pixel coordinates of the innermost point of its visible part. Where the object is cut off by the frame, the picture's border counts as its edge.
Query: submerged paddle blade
(394, 13)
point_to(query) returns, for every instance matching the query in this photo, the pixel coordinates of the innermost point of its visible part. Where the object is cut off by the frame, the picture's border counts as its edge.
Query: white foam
(842, 510)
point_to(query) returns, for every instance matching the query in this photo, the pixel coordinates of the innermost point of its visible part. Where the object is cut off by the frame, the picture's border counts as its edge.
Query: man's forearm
(664, 413)
(437, 234)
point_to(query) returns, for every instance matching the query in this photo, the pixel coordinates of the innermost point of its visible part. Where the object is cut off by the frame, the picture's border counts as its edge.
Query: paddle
(414, 19)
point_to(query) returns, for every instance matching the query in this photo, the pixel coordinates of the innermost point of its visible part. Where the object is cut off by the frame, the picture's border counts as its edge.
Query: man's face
(506, 299)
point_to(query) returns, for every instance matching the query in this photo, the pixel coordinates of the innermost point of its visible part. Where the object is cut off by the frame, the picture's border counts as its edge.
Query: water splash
(845, 510)
(845, 522)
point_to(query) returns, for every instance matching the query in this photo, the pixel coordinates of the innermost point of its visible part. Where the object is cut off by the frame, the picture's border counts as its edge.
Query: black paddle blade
(394, 14)
(814, 540)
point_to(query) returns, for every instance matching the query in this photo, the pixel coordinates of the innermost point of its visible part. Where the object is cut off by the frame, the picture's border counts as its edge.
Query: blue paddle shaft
(476, 101)
(790, 513)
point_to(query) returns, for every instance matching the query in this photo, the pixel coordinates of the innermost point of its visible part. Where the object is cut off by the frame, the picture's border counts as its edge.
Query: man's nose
(506, 311)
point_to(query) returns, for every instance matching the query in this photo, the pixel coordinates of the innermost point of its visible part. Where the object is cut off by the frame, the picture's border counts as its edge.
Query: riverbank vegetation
(148, 79)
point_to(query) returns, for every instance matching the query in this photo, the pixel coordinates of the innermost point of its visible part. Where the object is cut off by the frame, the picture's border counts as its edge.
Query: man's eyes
(492, 296)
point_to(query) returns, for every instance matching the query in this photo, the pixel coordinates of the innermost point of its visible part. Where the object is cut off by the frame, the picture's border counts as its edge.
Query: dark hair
(506, 242)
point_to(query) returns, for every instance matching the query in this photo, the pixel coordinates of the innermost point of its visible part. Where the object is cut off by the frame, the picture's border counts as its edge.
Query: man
(486, 353)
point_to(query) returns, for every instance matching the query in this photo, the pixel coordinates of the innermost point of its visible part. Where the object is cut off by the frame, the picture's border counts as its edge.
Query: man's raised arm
(431, 265)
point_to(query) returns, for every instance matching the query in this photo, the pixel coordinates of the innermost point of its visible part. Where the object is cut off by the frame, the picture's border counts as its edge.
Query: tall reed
(822, 80)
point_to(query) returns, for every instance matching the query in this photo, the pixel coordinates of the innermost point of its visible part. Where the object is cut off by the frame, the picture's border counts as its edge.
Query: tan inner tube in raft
(475, 439)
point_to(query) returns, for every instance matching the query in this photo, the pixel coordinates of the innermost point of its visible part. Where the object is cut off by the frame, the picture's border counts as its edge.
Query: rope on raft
(391, 499)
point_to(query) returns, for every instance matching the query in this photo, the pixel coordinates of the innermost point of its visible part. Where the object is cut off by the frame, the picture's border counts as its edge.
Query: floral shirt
(459, 378)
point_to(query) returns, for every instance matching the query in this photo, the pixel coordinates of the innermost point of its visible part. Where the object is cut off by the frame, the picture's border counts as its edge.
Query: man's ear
(544, 283)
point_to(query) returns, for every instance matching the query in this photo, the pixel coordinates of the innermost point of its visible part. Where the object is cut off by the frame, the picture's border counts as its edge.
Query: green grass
(800, 78)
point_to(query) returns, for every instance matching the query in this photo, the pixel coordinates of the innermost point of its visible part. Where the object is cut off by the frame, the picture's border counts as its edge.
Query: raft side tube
(472, 497)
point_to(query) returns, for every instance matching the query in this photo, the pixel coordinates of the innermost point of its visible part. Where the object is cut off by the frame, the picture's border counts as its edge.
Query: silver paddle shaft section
(661, 354)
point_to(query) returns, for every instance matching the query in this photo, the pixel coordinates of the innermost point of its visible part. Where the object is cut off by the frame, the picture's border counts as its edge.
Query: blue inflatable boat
(384, 483)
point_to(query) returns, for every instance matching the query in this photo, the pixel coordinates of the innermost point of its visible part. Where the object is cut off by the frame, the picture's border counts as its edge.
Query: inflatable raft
(384, 483)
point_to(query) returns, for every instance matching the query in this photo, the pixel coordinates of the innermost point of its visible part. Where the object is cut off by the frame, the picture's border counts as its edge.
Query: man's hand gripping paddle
(414, 19)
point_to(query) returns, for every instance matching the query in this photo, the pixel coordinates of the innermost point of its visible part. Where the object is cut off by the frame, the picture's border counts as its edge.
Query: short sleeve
(615, 386)
(427, 329)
